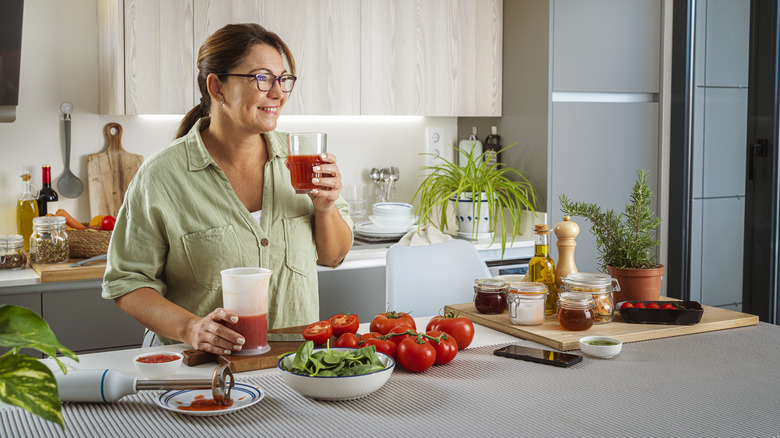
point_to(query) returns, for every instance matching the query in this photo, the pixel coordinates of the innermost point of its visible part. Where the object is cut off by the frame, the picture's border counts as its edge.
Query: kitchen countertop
(693, 385)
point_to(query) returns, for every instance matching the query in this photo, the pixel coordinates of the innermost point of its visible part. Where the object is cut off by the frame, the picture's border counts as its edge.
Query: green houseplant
(626, 242)
(24, 380)
(449, 182)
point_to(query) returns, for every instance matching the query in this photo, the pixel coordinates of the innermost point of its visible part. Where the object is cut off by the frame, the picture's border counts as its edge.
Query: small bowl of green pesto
(603, 347)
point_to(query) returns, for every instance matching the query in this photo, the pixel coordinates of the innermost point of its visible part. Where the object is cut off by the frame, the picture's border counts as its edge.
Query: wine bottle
(47, 197)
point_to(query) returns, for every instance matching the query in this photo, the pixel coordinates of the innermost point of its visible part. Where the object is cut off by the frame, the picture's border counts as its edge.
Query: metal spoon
(69, 185)
(374, 174)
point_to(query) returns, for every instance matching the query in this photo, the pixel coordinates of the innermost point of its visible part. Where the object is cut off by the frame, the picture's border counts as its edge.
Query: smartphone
(548, 357)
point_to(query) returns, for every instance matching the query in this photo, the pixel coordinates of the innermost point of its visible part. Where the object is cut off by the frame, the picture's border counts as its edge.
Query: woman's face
(245, 105)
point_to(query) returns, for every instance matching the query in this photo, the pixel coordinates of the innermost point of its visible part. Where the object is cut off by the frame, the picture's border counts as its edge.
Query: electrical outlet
(434, 140)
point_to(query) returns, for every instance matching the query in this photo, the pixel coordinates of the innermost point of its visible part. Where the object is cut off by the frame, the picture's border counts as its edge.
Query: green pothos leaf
(29, 384)
(20, 327)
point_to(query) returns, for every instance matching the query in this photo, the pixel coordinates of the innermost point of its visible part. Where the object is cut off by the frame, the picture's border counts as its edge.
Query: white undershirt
(257, 215)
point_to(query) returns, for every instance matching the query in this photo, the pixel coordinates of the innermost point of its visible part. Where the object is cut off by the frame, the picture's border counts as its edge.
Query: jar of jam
(575, 310)
(490, 296)
(12, 252)
(526, 302)
(601, 287)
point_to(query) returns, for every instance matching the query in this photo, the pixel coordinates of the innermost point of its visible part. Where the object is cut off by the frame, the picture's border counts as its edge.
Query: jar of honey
(575, 310)
(490, 296)
(600, 286)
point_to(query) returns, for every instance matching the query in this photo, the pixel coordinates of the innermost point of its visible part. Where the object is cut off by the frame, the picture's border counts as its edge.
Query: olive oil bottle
(541, 268)
(26, 209)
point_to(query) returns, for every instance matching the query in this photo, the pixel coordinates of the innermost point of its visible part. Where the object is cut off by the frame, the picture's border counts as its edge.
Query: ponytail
(192, 117)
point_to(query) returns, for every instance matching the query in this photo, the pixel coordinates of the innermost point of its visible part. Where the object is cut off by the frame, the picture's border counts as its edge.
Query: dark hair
(220, 53)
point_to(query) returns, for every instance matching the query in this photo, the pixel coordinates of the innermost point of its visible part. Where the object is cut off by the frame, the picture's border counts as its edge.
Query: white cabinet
(378, 57)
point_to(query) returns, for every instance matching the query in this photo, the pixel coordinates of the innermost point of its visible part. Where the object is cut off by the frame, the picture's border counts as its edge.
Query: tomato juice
(158, 358)
(253, 328)
(301, 171)
(201, 403)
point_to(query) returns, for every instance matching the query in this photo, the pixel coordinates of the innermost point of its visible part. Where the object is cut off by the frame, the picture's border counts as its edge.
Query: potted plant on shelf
(626, 242)
(497, 195)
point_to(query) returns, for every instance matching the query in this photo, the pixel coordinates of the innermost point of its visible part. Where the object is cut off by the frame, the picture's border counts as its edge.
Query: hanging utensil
(69, 185)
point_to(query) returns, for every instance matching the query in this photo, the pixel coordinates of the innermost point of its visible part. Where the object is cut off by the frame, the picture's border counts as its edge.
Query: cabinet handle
(758, 149)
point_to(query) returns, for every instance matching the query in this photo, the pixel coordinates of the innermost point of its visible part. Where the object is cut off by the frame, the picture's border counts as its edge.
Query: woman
(220, 197)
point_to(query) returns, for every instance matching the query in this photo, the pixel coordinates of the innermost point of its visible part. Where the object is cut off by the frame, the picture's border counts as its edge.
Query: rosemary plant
(625, 240)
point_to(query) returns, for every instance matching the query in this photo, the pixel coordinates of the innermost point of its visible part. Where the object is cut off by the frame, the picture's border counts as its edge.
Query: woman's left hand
(329, 185)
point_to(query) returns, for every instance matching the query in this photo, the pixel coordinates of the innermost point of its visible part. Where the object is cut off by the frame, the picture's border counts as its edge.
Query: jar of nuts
(49, 240)
(600, 286)
(12, 252)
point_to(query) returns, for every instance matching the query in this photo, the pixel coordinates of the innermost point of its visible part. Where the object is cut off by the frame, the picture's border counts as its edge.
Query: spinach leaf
(333, 363)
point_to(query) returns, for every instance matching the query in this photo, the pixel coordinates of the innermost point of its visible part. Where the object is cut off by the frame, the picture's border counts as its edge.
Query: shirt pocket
(211, 251)
(300, 249)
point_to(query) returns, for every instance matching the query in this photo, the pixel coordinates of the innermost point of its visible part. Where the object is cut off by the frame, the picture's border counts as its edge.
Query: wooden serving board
(552, 335)
(239, 364)
(110, 173)
(63, 271)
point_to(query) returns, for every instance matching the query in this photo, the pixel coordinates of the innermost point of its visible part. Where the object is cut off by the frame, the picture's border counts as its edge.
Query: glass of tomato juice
(245, 292)
(303, 153)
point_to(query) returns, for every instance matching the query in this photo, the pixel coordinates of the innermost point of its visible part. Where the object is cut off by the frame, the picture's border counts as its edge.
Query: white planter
(467, 220)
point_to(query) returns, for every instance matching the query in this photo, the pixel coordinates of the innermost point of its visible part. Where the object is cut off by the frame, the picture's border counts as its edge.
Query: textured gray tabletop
(717, 384)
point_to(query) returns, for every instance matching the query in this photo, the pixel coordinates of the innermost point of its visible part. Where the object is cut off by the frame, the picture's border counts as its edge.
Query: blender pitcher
(245, 292)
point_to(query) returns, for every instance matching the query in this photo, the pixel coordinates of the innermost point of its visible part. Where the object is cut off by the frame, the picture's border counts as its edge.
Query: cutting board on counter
(552, 335)
(110, 172)
(239, 364)
(63, 271)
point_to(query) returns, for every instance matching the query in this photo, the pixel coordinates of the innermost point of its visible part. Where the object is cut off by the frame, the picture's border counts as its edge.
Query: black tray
(686, 312)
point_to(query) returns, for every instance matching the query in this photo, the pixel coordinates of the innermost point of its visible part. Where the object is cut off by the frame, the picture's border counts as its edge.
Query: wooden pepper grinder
(565, 232)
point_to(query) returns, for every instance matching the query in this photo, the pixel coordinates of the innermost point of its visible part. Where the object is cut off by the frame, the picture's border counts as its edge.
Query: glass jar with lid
(575, 310)
(601, 287)
(49, 240)
(12, 252)
(490, 296)
(526, 303)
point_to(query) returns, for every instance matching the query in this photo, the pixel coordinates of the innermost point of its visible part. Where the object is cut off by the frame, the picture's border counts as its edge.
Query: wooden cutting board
(63, 271)
(239, 364)
(110, 172)
(552, 335)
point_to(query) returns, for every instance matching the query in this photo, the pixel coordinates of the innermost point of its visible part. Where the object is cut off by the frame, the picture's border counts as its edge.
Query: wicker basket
(84, 244)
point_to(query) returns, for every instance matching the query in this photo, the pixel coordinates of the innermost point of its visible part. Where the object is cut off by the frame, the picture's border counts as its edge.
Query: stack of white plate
(390, 219)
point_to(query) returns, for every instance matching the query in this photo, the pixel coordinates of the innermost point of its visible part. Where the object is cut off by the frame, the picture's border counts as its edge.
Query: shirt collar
(198, 155)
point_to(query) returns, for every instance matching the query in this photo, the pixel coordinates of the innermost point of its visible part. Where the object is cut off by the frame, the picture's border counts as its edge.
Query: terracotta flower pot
(637, 284)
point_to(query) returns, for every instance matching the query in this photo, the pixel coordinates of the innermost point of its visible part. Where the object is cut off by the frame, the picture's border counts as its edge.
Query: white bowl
(394, 209)
(158, 371)
(602, 351)
(336, 388)
(392, 222)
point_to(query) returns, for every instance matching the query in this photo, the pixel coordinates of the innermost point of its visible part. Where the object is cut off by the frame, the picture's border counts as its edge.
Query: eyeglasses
(265, 81)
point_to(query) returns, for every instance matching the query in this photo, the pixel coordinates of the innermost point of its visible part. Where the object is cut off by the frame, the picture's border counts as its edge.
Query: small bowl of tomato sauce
(158, 365)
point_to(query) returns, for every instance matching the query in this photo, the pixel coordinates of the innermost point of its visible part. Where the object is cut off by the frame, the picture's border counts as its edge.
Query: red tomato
(383, 322)
(416, 356)
(369, 336)
(653, 306)
(382, 346)
(668, 306)
(400, 329)
(626, 305)
(445, 350)
(318, 332)
(459, 327)
(639, 305)
(108, 223)
(347, 340)
(344, 323)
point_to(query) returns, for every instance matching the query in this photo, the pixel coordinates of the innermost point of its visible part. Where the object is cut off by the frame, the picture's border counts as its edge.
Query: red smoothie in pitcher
(253, 328)
(301, 171)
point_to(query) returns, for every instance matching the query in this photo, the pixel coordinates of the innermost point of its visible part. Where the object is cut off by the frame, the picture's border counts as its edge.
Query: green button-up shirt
(181, 223)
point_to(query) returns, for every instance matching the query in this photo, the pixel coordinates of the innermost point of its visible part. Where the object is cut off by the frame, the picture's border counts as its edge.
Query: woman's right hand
(209, 334)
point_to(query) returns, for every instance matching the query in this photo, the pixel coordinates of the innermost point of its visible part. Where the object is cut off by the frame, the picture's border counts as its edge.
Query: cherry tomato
(382, 345)
(668, 306)
(446, 349)
(626, 305)
(639, 305)
(416, 356)
(318, 332)
(108, 223)
(344, 323)
(369, 336)
(653, 306)
(383, 322)
(400, 329)
(347, 340)
(459, 327)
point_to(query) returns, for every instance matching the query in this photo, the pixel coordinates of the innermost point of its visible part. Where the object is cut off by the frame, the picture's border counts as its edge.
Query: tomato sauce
(301, 170)
(158, 358)
(201, 403)
(253, 328)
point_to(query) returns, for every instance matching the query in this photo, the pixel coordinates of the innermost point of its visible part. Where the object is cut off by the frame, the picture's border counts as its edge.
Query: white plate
(243, 395)
(370, 229)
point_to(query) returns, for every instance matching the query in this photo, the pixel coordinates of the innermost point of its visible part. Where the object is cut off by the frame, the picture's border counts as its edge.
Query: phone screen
(538, 355)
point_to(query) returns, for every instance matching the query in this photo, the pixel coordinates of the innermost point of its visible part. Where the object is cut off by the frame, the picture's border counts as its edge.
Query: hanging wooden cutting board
(110, 173)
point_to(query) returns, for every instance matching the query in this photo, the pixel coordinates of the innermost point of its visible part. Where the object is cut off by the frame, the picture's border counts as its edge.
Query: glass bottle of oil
(26, 209)
(541, 268)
